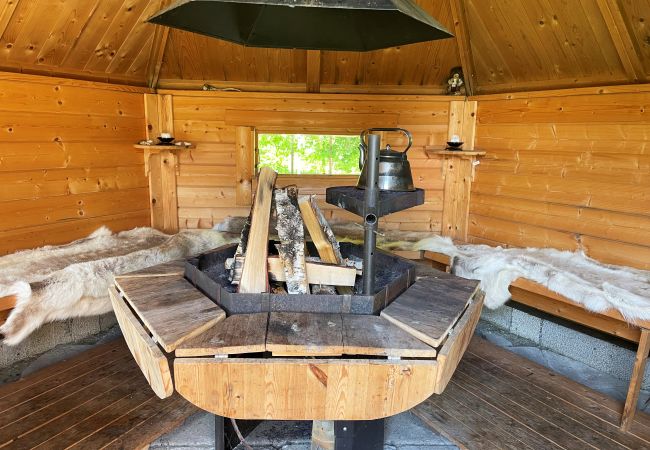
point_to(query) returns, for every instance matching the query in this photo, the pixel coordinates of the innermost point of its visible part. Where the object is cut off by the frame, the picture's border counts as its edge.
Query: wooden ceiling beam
(6, 14)
(622, 40)
(160, 38)
(313, 70)
(464, 45)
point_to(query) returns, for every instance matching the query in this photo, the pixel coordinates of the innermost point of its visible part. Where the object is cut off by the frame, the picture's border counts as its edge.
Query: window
(309, 153)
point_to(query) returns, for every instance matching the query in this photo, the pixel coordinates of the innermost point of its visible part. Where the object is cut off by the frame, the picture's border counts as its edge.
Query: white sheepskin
(597, 286)
(60, 282)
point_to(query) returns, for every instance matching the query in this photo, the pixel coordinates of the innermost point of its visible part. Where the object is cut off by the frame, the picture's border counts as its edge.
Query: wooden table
(296, 366)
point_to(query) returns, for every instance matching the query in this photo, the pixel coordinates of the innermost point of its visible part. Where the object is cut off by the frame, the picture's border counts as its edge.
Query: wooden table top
(180, 318)
(296, 365)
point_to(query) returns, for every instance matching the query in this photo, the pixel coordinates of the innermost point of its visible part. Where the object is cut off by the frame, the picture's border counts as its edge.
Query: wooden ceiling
(503, 45)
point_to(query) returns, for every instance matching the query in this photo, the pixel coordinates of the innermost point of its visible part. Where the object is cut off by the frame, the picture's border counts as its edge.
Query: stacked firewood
(288, 268)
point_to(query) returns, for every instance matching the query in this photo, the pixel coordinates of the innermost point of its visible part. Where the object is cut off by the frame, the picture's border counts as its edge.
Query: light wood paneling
(424, 64)
(554, 43)
(67, 165)
(208, 180)
(502, 46)
(636, 17)
(569, 172)
(104, 40)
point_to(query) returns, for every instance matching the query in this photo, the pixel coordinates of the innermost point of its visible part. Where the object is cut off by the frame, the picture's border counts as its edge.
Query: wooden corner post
(161, 166)
(458, 169)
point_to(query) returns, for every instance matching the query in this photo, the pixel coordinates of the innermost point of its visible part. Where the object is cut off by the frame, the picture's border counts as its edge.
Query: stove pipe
(347, 25)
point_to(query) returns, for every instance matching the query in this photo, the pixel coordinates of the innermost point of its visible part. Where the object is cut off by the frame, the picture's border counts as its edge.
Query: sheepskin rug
(597, 286)
(60, 282)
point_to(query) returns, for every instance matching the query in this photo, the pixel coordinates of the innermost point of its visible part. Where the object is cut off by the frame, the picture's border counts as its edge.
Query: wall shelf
(435, 152)
(160, 148)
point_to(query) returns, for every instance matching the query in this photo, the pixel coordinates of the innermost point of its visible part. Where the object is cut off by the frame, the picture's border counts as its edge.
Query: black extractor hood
(350, 25)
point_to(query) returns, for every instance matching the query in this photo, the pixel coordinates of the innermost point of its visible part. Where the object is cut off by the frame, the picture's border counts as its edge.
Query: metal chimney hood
(348, 25)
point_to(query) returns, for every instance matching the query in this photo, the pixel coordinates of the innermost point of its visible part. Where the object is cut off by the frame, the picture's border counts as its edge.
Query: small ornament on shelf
(454, 144)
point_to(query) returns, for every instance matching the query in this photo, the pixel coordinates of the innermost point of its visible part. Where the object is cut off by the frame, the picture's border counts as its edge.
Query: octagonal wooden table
(296, 366)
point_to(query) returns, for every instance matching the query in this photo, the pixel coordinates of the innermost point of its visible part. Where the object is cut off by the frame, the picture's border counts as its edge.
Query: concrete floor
(403, 432)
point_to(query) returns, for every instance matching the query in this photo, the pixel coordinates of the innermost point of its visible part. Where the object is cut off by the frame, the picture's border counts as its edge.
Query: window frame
(317, 132)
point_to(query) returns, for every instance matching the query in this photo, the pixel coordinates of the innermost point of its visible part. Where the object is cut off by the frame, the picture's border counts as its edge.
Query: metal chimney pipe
(370, 217)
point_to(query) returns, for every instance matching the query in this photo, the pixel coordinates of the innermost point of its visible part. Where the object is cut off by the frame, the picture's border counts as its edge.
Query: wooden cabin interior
(554, 116)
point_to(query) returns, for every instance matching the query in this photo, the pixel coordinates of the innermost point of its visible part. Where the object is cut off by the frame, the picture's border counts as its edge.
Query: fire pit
(393, 276)
(372, 346)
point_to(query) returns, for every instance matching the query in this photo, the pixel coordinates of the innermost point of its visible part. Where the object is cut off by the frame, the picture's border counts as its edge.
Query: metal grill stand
(368, 435)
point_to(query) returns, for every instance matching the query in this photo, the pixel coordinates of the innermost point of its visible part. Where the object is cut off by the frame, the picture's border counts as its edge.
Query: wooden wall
(67, 165)
(566, 169)
(207, 181)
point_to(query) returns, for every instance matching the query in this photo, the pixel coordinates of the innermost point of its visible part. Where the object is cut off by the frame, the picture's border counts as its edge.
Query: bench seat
(532, 294)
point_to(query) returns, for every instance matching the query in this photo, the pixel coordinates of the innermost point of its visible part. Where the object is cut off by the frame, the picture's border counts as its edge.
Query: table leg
(219, 437)
(359, 434)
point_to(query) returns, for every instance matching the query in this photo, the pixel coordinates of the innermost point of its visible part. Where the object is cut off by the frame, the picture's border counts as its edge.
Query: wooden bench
(536, 296)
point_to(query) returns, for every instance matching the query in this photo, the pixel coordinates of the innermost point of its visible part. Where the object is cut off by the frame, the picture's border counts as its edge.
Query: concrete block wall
(55, 333)
(597, 353)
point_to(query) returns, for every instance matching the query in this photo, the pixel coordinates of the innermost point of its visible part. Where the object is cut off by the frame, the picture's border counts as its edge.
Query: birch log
(292, 240)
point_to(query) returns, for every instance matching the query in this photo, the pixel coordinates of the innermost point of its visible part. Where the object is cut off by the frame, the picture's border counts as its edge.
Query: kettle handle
(362, 147)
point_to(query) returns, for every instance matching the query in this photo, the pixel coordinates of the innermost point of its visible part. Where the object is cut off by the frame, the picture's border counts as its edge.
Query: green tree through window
(314, 154)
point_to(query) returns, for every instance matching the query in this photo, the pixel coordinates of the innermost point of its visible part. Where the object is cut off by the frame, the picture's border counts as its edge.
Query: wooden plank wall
(67, 165)
(566, 169)
(208, 174)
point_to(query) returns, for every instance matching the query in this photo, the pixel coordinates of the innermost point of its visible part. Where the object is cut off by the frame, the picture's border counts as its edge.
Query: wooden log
(292, 240)
(321, 234)
(319, 230)
(254, 278)
(317, 273)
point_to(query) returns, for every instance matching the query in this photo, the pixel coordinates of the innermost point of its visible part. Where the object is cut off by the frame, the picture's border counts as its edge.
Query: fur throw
(597, 286)
(60, 282)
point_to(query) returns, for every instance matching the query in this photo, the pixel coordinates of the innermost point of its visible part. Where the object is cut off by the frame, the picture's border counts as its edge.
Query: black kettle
(394, 172)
